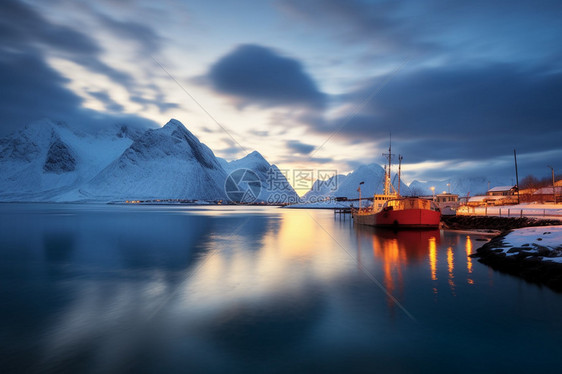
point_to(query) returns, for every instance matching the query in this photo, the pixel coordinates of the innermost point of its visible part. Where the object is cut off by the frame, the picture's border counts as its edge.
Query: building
(447, 202)
(502, 191)
(546, 195)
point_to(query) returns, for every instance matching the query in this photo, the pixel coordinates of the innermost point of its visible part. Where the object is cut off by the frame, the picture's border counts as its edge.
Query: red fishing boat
(391, 210)
(402, 212)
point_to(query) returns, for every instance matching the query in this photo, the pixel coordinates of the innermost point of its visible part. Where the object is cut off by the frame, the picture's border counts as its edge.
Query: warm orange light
(468, 248)
(451, 267)
(392, 257)
(433, 258)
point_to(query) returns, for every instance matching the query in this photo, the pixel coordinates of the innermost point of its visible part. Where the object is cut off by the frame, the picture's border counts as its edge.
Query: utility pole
(553, 184)
(516, 177)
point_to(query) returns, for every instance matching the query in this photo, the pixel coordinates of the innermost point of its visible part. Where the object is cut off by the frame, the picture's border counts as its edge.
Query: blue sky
(308, 83)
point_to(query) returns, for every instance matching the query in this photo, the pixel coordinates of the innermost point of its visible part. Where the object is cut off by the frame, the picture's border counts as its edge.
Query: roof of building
(501, 188)
(482, 198)
(548, 190)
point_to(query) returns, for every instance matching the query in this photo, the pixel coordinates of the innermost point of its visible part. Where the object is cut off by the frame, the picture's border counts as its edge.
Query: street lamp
(432, 188)
(359, 190)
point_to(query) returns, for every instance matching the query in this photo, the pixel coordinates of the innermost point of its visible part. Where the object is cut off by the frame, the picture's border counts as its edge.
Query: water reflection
(451, 268)
(156, 289)
(468, 249)
(397, 251)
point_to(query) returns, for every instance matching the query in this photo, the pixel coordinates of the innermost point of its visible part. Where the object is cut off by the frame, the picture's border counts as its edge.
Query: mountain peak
(174, 124)
(255, 155)
(254, 161)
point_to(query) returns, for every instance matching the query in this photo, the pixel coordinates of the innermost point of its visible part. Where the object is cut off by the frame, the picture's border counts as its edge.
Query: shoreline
(529, 248)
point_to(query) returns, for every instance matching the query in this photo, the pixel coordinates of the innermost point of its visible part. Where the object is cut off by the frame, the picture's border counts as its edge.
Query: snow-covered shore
(533, 253)
(545, 243)
(525, 210)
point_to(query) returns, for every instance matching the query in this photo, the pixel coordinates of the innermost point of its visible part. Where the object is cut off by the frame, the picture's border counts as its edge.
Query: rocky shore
(502, 224)
(528, 248)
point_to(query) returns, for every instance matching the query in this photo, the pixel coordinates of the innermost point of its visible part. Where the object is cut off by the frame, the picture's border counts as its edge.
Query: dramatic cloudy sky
(315, 84)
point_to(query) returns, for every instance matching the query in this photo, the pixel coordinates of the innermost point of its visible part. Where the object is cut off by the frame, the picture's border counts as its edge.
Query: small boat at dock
(402, 212)
(392, 210)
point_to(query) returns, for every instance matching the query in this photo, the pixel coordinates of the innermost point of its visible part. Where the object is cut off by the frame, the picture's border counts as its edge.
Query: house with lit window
(447, 202)
(501, 195)
(502, 191)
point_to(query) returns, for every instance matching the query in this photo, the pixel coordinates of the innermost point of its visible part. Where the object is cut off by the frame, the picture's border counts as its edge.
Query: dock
(342, 211)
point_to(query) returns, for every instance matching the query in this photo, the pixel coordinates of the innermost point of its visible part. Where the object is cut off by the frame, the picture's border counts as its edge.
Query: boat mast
(387, 171)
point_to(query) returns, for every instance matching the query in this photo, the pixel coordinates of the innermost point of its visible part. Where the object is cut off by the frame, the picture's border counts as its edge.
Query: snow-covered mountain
(47, 159)
(461, 186)
(273, 185)
(324, 188)
(164, 163)
(372, 175)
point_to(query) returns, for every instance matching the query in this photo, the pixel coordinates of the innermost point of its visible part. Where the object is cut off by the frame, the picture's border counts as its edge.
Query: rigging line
(361, 105)
(367, 272)
(197, 102)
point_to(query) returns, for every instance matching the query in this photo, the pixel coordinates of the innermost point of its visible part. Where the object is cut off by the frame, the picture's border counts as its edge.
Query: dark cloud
(31, 90)
(21, 27)
(298, 147)
(507, 30)
(298, 158)
(158, 101)
(108, 102)
(458, 114)
(148, 39)
(258, 75)
(379, 23)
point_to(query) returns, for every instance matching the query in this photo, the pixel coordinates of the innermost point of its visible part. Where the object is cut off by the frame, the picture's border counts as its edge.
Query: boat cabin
(409, 203)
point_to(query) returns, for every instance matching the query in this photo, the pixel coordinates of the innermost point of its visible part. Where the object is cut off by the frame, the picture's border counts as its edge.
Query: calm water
(107, 289)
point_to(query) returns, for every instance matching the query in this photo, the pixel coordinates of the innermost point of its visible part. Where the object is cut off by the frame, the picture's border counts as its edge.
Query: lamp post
(449, 187)
(359, 189)
(432, 188)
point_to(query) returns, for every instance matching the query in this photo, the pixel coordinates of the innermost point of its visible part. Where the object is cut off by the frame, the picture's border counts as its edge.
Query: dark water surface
(154, 289)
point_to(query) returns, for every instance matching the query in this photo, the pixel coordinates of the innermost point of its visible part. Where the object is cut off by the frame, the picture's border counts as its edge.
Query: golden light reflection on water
(451, 268)
(396, 251)
(392, 258)
(291, 252)
(433, 258)
(297, 243)
(468, 248)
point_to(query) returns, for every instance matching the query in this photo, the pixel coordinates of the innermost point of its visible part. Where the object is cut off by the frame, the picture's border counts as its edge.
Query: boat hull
(409, 218)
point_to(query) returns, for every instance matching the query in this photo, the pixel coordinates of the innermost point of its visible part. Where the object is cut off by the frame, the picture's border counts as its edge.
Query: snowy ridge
(275, 188)
(49, 161)
(461, 186)
(323, 188)
(346, 186)
(165, 163)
